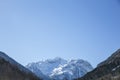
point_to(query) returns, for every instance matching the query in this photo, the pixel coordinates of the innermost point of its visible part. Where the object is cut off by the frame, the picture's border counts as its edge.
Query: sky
(34, 30)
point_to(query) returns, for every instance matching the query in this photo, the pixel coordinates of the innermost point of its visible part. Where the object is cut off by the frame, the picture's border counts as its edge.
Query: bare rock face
(11, 70)
(106, 70)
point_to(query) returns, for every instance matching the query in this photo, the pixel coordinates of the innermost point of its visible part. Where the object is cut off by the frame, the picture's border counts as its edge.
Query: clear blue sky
(33, 30)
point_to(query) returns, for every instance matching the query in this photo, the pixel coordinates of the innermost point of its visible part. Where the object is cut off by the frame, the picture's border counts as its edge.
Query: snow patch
(115, 68)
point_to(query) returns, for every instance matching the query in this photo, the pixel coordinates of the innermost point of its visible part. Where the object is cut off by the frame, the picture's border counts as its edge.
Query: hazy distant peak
(77, 60)
(56, 59)
(60, 69)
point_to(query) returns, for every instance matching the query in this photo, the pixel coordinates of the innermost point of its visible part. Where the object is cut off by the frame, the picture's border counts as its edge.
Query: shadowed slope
(106, 70)
(11, 70)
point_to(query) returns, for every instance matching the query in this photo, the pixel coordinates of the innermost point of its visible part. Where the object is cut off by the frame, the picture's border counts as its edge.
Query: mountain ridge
(57, 68)
(111, 58)
(12, 70)
(106, 70)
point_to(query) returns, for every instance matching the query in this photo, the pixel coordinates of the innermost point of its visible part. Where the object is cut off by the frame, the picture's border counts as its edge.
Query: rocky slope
(106, 70)
(11, 70)
(60, 69)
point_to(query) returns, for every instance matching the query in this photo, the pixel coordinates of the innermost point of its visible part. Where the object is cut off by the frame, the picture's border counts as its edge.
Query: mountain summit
(11, 70)
(60, 69)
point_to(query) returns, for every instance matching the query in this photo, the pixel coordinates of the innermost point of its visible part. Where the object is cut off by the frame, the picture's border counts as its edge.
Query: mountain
(73, 69)
(11, 70)
(106, 70)
(113, 58)
(60, 69)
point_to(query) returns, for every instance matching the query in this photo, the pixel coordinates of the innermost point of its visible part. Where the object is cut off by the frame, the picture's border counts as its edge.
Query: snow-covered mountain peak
(56, 60)
(48, 65)
(77, 61)
(60, 69)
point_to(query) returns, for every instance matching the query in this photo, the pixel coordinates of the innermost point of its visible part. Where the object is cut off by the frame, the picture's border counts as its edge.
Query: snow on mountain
(34, 69)
(73, 69)
(60, 69)
(47, 66)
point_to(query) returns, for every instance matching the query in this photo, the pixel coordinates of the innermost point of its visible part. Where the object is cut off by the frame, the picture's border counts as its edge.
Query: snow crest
(60, 69)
